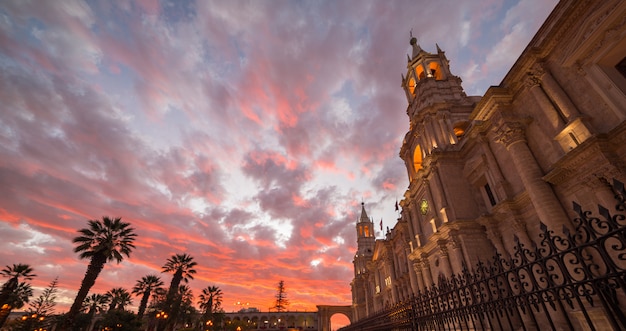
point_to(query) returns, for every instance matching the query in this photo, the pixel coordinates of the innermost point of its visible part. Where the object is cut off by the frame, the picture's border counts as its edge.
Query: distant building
(486, 169)
(253, 319)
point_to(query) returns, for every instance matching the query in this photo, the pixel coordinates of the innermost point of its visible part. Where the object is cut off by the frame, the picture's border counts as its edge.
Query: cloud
(243, 133)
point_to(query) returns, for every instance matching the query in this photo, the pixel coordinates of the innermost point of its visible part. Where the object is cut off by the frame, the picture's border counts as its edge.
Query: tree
(144, 287)
(10, 295)
(210, 301)
(157, 299)
(119, 298)
(14, 273)
(120, 320)
(44, 304)
(182, 267)
(103, 241)
(95, 304)
(182, 303)
(41, 308)
(16, 300)
(281, 297)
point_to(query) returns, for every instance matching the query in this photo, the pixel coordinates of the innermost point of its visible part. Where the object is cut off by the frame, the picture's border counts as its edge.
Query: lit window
(412, 85)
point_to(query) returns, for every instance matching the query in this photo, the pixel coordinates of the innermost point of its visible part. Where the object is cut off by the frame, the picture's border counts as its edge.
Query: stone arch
(326, 312)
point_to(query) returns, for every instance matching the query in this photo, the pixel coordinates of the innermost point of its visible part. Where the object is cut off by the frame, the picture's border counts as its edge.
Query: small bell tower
(438, 107)
(365, 250)
(365, 242)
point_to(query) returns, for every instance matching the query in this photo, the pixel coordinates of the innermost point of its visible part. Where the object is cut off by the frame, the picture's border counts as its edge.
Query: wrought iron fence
(576, 281)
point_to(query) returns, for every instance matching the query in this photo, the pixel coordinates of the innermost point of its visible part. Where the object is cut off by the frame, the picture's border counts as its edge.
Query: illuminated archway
(326, 312)
(419, 72)
(417, 158)
(435, 70)
(338, 320)
(412, 85)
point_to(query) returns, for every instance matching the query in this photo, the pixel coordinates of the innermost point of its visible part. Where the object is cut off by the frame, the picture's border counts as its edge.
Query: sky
(243, 133)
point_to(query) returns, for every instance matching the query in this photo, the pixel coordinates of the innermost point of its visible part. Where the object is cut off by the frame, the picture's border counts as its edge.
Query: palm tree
(95, 304)
(158, 297)
(18, 297)
(182, 267)
(184, 299)
(144, 287)
(15, 272)
(104, 240)
(210, 301)
(119, 297)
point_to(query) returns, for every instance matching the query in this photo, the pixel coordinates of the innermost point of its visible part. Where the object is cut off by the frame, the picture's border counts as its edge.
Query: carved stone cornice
(610, 34)
(493, 101)
(577, 160)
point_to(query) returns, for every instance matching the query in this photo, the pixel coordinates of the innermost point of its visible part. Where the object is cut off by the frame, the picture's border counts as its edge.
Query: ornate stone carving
(537, 70)
(443, 247)
(510, 132)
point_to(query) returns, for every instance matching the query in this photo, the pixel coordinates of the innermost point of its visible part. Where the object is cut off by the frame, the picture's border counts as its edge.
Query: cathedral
(488, 171)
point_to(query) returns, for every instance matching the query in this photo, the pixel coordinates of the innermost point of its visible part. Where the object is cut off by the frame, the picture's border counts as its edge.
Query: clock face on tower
(424, 206)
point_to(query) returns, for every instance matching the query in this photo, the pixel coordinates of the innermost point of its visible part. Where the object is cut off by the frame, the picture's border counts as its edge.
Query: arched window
(412, 85)
(435, 70)
(459, 128)
(419, 72)
(417, 158)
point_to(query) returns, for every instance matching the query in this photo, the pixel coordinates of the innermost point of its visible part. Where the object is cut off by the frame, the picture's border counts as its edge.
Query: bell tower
(365, 250)
(365, 242)
(439, 200)
(438, 107)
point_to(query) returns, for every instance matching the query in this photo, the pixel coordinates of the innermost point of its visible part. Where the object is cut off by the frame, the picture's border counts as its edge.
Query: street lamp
(33, 318)
(160, 316)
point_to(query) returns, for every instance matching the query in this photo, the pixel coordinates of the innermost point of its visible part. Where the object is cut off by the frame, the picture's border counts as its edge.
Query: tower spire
(364, 218)
(416, 47)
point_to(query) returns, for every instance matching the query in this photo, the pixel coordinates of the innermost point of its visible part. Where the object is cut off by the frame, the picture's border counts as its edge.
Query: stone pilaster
(554, 116)
(547, 206)
(444, 258)
(555, 92)
(418, 275)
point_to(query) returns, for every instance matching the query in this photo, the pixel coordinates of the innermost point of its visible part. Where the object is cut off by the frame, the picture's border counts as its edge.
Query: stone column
(435, 131)
(502, 186)
(412, 274)
(495, 236)
(414, 217)
(522, 234)
(418, 275)
(428, 278)
(457, 252)
(390, 272)
(556, 118)
(445, 258)
(546, 204)
(555, 92)
(602, 189)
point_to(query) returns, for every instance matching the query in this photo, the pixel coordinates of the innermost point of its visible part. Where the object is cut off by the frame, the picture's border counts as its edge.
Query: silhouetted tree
(281, 297)
(210, 301)
(119, 298)
(181, 265)
(95, 304)
(16, 300)
(14, 273)
(104, 240)
(144, 287)
(41, 309)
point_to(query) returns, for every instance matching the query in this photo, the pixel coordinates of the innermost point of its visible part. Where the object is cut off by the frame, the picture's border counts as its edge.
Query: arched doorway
(326, 312)
(338, 321)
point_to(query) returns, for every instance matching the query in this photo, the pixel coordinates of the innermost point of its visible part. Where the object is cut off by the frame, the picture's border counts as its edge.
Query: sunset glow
(243, 133)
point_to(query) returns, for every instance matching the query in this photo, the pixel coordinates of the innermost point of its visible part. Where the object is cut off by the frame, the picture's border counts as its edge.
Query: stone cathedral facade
(486, 169)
